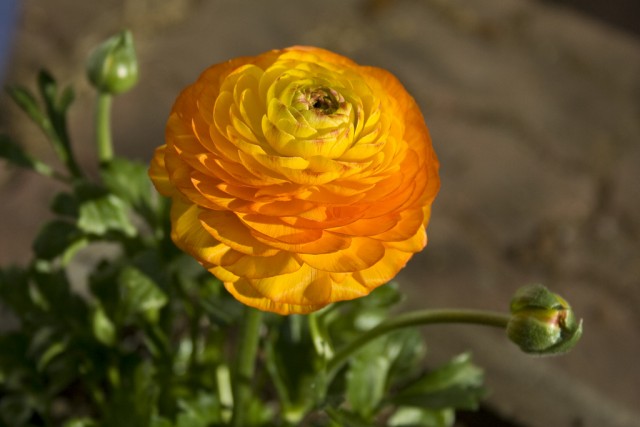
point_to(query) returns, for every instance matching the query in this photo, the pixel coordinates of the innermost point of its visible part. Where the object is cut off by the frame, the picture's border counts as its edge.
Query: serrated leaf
(366, 382)
(140, 293)
(374, 368)
(458, 384)
(54, 238)
(27, 102)
(128, 180)
(105, 213)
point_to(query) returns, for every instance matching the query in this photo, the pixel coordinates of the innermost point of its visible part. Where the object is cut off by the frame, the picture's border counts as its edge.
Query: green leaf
(15, 410)
(366, 381)
(349, 319)
(129, 181)
(103, 283)
(48, 88)
(371, 371)
(14, 292)
(103, 328)
(51, 291)
(157, 421)
(52, 287)
(135, 403)
(104, 213)
(201, 411)
(208, 292)
(140, 293)
(28, 103)
(458, 384)
(53, 122)
(14, 365)
(56, 109)
(420, 417)
(15, 155)
(292, 364)
(55, 238)
(66, 99)
(65, 204)
(382, 297)
(80, 422)
(407, 351)
(344, 418)
(55, 349)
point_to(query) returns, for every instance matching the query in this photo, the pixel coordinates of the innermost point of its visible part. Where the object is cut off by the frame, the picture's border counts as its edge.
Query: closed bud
(542, 322)
(112, 67)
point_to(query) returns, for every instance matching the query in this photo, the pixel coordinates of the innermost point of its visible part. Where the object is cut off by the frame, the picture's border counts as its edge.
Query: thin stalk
(245, 364)
(103, 128)
(416, 318)
(321, 341)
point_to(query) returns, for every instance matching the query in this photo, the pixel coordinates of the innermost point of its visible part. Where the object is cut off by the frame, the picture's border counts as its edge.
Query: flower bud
(542, 322)
(112, 66)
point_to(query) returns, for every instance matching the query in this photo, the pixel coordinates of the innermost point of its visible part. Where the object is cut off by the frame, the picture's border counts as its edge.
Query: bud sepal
(542, 322)
(112, 67)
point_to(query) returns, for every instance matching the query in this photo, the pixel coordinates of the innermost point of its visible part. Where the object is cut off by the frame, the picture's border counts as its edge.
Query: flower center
(322, 100)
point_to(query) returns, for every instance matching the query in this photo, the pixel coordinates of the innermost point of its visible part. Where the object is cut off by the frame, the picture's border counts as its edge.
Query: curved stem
(416, 318)
(103, 128)
(245, 366)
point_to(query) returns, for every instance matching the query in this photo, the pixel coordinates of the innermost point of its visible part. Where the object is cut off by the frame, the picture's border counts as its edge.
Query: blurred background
(534, 110)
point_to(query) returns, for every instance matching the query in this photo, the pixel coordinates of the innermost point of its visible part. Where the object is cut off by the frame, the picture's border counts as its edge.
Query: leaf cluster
(149, 339)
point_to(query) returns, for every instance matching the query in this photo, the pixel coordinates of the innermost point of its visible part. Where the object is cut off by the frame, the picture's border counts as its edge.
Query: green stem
(320, 339)
(103, 128)
(245, 364)
(416, 318)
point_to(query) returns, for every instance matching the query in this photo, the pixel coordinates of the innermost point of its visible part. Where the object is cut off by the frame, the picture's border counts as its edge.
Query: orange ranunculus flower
(298, 177)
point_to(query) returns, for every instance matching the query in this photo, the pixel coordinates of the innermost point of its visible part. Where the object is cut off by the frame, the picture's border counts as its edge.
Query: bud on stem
(542, 322)
(112, 67)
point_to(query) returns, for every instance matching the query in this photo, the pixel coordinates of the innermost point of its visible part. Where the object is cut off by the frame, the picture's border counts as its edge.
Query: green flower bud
(542, 322)
(112, 67)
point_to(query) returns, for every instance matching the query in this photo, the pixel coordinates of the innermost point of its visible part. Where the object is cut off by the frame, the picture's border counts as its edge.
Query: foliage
(152, 340)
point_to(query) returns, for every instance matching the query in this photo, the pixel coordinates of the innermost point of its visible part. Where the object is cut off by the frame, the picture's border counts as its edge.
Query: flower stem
(103, 128)
(415, 318)
(245, 366)
(321, 341)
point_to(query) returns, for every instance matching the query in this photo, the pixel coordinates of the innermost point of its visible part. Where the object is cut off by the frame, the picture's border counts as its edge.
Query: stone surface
(534, 112)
